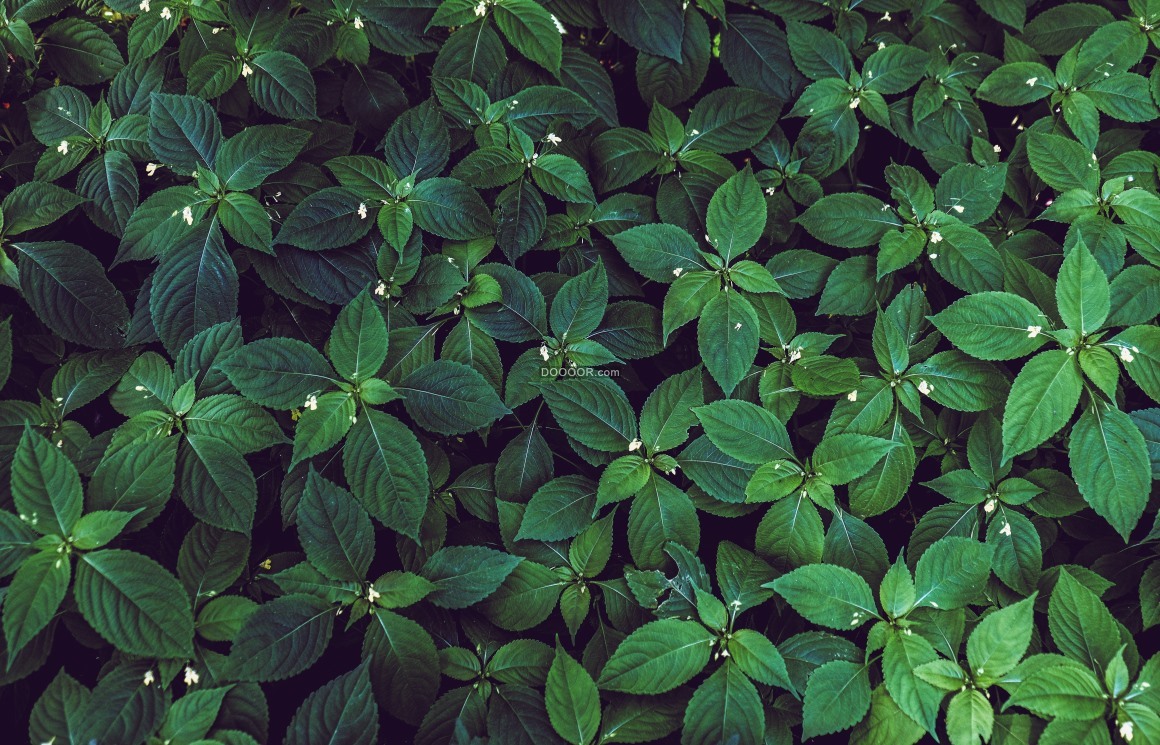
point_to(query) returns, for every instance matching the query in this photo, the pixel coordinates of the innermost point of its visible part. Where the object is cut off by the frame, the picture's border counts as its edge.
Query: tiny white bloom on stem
(1006, 530)
(62, 148)
(217, 30)
(795, 354)
(1126, 354)
(544, 352)
(737, 327)
(997, 149)
(770, 190)
(1031, 82)
(989, 507)
(311, 402)
(933, 604)
(1033, 331)
(677, 271)
(187, 215)
(925, 388)
(553, 138)
(373, 594)
(138, 388)
(358, 22)
(481, 9)
(852, 396)
(144, 6)
(634, 445)
(694, 133)
(935, 237)
(854, 103)
(1126, 731)
(958, 208)
(247, 71)
(886, 16)
(148, 680)
(191, 676)
(934, 256)
(381, 289)
(151, 168)
(166, 13)
(881, 45)
(362, 210)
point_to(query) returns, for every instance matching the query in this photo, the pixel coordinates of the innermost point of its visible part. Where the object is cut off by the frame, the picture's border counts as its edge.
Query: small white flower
(559, 26)
(737, 327)
(769, 190)
(881, 45)
(544, 352)
(694, 133)
(247, 71)
(958, 208)
(925, 388)
(354, 420)
(854, 103)
(1130, 179)
(1031, 82)
(373, 594)
(144, 6)
(852, 396)
(736, 604)
(481, 9)
(217, 30)
(989, 507)
(997, 149)
(935, 237)
(187, 215)
(311, 402)
(381, 289)
(795, 354)
(166, 13)
(677, 271)
(1033, 331)
(1006, 530)
(1126, 354)
(634, 445)
(553, 138)
(191, 676)
(886, 17)
(934, 256)
(933, 604)
(151, 168)
(358, 22)
(138, 388)
(148, 680)
(362, 210)
(62, 148)
(1126, 731)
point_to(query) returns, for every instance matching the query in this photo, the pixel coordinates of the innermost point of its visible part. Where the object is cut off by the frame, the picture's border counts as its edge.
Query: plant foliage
(579, 371)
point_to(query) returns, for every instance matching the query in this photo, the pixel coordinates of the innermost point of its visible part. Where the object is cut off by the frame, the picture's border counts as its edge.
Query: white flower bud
(62, 148)
(634, 445)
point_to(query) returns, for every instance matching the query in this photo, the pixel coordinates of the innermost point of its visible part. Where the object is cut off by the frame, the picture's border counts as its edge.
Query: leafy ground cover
(579, 371)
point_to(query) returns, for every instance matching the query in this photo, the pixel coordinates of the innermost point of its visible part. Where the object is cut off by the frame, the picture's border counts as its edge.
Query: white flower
(997, 149)
(677, 271)
(144, 6)
(217, 30)
(1033, 331)
(737, 327)
(958, 208)
(1031, 82)
(935, 237)
(311, 402)
(933, 604)
(138, 388)
(1126, 731)
(362, 210)
(1126, 354)
(373, 594)
(989, 507)
(191, 676)
(62, 148)
(854, 103)
(634, 445)
(481, 9)
(770, 190)
(148, 679)
(694, 133)
(559, 26)
(881, 45)
(166, 13)
(544, 352)
(1006, 530)
(151, 168)
(187, 215)
(886, 16)
(852, 396)
(381, 289)
(358, 22)
(934, 256)
(795, 354)
(247, 71)
(553, 138)
(925, 388)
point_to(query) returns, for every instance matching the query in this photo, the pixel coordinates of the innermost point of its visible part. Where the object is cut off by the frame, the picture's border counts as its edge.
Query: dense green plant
(579, 371)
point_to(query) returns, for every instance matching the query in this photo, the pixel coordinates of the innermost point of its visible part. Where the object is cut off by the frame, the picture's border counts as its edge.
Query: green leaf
(559, 509)
(736, 215)
(658, 251)
(745, 431)
(594, 411)
(341, 712)
(67, 288)
(572, 700)
(728, 338)
(1043, 399)
(1017, 84)
(827, 595)
(33, 597)
(969, 193)
(970, 718)
(450, 209)
(652, 26)
(385, 467)
(465, 575)
(46, 488)
(134, 603)
(993, 325)
(36, 204)
(450, 398)
(818, 53)
(657, 657)
(358, 343)
(183, 130)
(849, 220)
(725, 708)
(1066, 692)
(837, 697)
(282, 85)
(840, 459)
(759, 659)
(1082, 291)
(216, 483)
(532, 31)
(327, 218)
(1000, 640)
(580, 304)
(279, 373)
(661, 514)
(728, 120)
(195, 287)
(246, 159)
(80, 52)
(1063, 164)
(952, 573)
(562, 177)
(334, 530)
(668, 412)
(282, 638)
